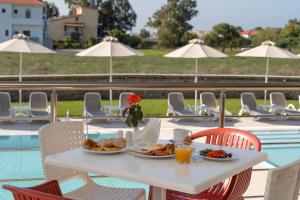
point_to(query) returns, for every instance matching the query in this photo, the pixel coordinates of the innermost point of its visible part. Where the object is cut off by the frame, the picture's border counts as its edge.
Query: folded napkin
(150, 133)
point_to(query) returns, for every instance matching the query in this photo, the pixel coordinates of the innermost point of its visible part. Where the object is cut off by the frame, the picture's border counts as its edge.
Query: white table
(162, 174)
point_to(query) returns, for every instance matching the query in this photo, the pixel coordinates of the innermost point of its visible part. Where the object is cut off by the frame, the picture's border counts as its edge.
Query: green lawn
(152, 62)
(149, 106)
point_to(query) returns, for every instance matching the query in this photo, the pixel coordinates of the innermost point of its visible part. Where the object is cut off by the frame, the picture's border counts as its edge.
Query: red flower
(133, 98)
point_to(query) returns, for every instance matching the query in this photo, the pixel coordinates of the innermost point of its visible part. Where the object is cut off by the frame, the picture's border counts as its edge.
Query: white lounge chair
(176, 106)
(38, 106)
(249, 106)
(93, 105)
(123, 103)
(6, 110)
(279, 105)
(283, 183)
(209, 106)
(65, 136)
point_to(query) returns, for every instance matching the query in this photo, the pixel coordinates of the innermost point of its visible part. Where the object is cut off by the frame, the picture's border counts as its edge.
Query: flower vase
(136, 136)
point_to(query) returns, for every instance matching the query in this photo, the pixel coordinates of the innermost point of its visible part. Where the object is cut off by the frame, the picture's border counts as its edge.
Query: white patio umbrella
(110, 47)
(267, 49)
(21, 44)
(196, 49)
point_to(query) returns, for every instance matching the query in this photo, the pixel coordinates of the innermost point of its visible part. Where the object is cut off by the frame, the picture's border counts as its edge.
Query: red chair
(233, 188)
(46, 191)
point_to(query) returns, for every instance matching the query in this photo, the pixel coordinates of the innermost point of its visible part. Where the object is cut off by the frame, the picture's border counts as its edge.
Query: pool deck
(167, 126)
(258, 180)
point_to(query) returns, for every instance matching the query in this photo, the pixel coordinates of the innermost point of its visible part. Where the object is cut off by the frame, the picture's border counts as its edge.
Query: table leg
(159, 193)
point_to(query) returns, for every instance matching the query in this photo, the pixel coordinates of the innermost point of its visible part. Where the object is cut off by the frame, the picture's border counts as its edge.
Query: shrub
(91, 41)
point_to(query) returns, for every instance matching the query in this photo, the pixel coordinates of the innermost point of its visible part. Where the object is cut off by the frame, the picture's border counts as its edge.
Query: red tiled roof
(249, 32)
(22, 2)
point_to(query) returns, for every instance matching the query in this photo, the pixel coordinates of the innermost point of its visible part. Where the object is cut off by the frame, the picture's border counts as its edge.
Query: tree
(273, 34)
(116, 14)
(290, 35)
(144, 33)
(51, 10)
(132, 41)
(224, 36)
(171, 22)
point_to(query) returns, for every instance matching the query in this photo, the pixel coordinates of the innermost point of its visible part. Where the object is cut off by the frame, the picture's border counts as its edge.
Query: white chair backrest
(208, 99)
(57, 138)
(249, 99)
(92, 101)
(278, 99)
(176, 100)
(283, 182)
(123, 100)
(5, 101)
(151, 131)
(38, 101)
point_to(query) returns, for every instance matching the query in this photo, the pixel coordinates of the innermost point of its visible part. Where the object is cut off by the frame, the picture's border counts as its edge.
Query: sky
(244, 13)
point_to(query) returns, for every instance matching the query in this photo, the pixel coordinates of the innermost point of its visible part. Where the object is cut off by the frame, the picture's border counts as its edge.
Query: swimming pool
(19, 165)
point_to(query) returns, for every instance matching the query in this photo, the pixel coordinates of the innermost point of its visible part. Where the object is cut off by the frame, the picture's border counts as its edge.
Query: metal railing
(222, 87)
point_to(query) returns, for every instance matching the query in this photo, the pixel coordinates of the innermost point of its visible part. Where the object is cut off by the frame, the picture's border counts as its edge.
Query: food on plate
(89, 144)
(120, 143)
(157, 150)
(108, 145)
(211, 153)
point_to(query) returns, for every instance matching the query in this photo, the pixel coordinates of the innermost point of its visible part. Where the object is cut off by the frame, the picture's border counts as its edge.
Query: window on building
(27, 33)
(76, 19)
(16, 11)
(6, 33)
(3, 10)
(28, 13)
(76, 29)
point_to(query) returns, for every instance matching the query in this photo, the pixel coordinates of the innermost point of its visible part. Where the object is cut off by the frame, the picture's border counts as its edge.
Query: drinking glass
(183, 152)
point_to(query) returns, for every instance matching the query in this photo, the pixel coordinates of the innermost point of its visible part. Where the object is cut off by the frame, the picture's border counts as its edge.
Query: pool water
(16, 166)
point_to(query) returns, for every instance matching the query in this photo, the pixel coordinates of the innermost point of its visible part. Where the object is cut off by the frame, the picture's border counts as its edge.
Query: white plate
(220, 159)
(105, 152)
(147, 156)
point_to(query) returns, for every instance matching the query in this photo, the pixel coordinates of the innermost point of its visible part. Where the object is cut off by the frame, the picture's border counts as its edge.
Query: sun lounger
(249, 106)
(93, 105)
(123, 102)
(176, 106)
(6, 110)
(38, 106)
(209, 106)
(279, 105)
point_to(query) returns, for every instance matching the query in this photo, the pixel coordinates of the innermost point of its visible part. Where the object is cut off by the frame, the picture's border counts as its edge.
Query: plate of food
(155, 151)
(107, 146)
(217, 155)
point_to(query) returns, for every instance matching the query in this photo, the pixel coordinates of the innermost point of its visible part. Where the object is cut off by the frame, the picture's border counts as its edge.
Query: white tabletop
(189, 178)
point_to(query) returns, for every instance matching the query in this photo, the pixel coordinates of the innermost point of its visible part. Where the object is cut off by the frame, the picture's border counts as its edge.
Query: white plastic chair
(249, 106)
(93, 105)
(176, 105)
(64, 136)
(208, 104)
(38, 106)
(123, 101)
(6, 110)
(283, 182)
(279, 105)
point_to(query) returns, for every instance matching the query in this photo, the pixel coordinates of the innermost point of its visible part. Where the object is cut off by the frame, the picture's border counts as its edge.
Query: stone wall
(156, 78)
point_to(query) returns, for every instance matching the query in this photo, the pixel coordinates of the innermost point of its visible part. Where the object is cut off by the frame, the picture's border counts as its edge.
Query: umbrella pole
(196, 81)
(266, 81)
(110, 80)
(20, 77)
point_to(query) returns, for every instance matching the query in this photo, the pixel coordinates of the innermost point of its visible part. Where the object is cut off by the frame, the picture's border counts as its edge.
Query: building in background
(200, 33)
(248, 33)
(22, 16)
(79, 26)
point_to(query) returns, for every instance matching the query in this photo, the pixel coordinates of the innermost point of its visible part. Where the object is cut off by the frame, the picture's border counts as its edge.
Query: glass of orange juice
(183, 152)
